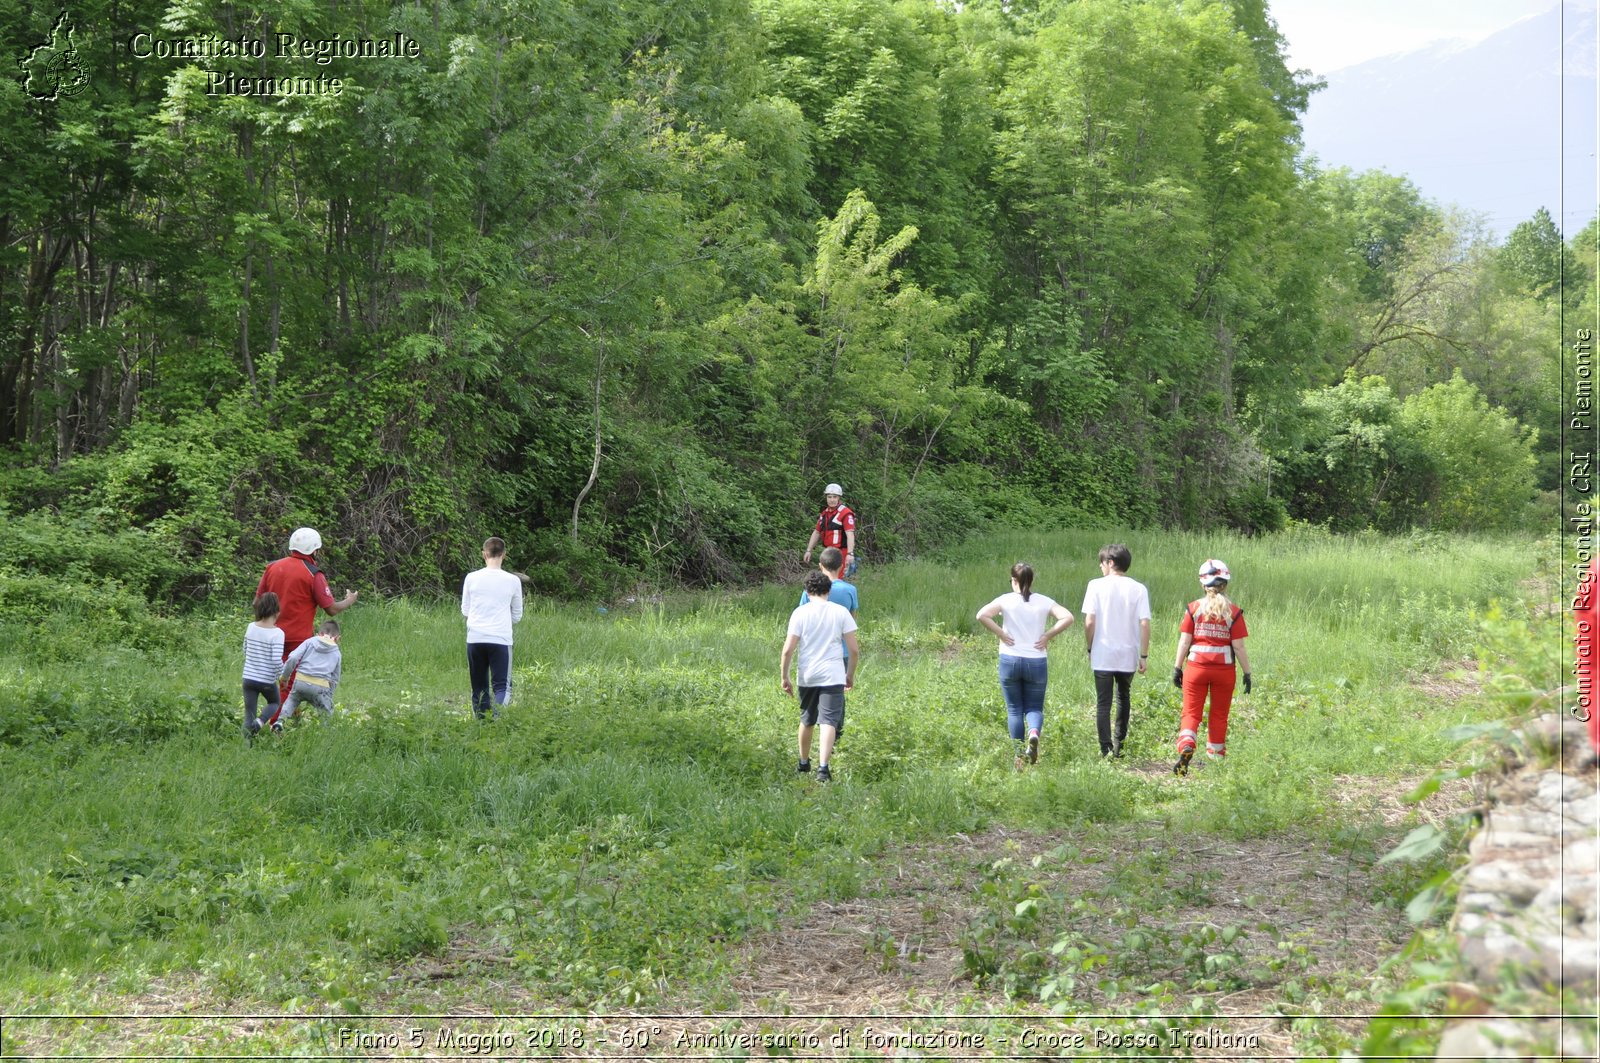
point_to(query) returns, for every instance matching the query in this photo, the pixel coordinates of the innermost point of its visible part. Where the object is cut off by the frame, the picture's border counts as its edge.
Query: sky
(1325, 35)
(1498, 162)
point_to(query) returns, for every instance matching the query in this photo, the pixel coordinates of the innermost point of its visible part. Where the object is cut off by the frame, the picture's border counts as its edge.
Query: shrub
(691, 521)
(55, 619)
(1357, 468)
(210, 486)
(564, 568)
(1483, 460)
(73, 548)
(1253, 510)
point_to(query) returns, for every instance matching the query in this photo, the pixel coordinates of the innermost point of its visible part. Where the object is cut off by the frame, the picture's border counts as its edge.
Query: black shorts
(824, 704)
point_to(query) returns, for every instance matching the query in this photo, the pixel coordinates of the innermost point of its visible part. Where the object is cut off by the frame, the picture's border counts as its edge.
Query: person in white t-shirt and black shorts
(824, 633)
(491, 600)
(1116, 635)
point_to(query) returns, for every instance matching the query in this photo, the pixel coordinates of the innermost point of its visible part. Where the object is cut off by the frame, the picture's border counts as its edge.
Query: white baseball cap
(1214, 573)
(305, 541)
(833, 489)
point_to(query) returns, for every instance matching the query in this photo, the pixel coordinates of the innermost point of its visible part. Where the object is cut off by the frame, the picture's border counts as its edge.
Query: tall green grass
(636, 808)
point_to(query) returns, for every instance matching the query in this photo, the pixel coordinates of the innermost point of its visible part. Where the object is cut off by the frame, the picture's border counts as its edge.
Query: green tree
(1481, 459)
(856, 360)
(1378, 213)
(629, 280)
(1533, 255)
(1147, 176)
(1357, 467)
(1583, 251)
(1291, 89)
(897, 105)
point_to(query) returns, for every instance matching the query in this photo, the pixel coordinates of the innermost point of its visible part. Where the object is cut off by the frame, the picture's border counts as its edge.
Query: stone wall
(1526, 916)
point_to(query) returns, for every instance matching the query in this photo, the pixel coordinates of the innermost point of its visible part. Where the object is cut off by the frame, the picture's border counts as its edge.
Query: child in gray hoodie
(316, 665)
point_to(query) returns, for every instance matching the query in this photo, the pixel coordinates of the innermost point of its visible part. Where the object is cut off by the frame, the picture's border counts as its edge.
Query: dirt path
(1315, 923)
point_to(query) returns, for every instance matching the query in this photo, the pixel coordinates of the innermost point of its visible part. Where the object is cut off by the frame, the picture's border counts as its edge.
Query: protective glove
(1177, 678)
(1247, 682)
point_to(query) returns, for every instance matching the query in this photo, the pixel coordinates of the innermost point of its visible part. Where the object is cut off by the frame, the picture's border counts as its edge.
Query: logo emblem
(54, 69)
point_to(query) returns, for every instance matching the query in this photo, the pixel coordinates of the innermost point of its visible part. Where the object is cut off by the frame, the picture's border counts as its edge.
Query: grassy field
(632, 838)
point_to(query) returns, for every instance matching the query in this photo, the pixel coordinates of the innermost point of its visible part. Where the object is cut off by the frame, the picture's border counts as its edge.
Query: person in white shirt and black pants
(1116, 634)
(491, 600)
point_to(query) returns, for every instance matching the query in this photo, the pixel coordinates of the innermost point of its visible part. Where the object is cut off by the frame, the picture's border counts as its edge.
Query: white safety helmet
(305, 541)
(833, 489)
(1214, 574)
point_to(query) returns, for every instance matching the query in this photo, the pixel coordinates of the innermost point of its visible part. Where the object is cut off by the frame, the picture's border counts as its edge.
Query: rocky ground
(1528, 914)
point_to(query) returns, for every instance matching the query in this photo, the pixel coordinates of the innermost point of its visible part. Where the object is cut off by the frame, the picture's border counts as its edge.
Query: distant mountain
(1479, 125)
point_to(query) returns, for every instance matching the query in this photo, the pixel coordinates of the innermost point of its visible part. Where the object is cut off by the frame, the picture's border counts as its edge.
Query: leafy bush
(216, 486)
(50, 618)
(1443, 458)
(74, 548)
(26, 487)
(702, 528)
(1482, 460)
(1357, 467)
(1255, 511)
(562, 568)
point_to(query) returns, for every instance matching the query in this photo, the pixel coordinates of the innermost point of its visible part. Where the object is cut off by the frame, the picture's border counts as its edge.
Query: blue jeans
(1022, 681)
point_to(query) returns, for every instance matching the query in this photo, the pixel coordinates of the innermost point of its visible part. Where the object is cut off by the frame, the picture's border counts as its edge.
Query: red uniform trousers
(1200, 680)
(286, 684)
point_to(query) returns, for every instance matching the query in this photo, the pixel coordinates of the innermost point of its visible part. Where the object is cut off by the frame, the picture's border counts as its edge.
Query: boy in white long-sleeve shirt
(491, 600)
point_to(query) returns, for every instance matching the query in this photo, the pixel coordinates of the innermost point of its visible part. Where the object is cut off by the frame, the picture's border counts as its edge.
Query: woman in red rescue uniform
(1211, 639)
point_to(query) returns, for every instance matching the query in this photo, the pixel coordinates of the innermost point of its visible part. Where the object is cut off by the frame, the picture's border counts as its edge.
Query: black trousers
(1103, 682)
(489, 665)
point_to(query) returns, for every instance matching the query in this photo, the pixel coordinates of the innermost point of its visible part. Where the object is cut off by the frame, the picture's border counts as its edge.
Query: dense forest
(628, 282)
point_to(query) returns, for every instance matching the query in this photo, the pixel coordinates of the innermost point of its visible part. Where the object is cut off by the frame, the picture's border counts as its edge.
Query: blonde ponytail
(1216, 606)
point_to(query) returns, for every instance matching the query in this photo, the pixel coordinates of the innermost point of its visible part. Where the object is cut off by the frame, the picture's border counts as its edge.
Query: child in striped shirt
(263, 654)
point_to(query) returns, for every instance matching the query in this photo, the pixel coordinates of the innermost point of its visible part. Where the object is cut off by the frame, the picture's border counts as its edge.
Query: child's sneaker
(824, 774)
(802, 767)
(277, 728)
(1033, 747)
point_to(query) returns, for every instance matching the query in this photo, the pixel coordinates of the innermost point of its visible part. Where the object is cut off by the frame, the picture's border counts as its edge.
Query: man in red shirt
(301, 588)
(836, 527)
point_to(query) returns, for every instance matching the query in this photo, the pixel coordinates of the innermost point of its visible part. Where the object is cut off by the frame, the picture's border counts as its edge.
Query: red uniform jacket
(300, 588)
(833, 523)
(1213, 641)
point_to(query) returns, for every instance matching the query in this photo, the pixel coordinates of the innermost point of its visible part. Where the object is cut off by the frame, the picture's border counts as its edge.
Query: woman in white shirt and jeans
(1024, 658)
